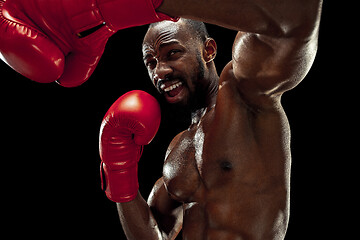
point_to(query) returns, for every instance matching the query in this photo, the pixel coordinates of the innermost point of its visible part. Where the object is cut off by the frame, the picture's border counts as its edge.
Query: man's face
(173, 59)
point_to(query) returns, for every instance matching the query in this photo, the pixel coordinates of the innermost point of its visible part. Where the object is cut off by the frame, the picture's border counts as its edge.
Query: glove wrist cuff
(119, 185)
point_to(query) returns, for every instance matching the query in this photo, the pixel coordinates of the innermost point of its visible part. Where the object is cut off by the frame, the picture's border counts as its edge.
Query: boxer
(228, 175)
(63, 40)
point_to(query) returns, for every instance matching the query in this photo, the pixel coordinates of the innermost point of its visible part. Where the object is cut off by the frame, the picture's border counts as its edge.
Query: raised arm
(269, 17)
(275, 46)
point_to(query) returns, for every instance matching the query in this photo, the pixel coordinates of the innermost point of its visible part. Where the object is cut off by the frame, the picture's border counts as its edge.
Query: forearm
(137, 220)
(269, 17)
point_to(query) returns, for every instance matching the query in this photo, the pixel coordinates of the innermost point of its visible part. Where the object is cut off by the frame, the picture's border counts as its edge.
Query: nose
(161, 72)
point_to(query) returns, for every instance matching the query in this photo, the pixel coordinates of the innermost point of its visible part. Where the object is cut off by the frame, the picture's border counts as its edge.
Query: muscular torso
(231, 170)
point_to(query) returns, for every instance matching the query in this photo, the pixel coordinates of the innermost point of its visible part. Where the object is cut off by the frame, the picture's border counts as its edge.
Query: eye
(150, 63)
(173, 52)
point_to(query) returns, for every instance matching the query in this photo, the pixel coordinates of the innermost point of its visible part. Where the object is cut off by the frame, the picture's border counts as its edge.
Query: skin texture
(228, 175)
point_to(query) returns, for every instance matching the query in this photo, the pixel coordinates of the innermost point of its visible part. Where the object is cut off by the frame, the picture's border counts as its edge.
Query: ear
(210, 50)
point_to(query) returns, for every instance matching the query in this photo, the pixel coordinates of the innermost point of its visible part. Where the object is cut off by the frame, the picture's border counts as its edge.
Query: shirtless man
(228, 175)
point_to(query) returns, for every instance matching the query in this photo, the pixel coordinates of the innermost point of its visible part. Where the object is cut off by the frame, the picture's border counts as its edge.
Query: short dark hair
(198, 28)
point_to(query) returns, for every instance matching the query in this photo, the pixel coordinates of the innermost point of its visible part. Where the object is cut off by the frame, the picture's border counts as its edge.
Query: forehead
(164, 32)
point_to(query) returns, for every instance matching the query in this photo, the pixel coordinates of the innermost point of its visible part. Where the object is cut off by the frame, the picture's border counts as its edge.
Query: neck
(209, 99)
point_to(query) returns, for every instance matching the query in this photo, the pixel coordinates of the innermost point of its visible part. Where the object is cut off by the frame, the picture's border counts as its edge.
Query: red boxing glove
(63, 40)
(131, 122)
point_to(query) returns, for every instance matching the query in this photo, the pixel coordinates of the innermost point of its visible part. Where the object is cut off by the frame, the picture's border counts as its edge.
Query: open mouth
(172, 89)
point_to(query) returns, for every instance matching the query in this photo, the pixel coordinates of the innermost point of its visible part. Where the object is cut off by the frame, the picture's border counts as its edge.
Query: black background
(50, 161)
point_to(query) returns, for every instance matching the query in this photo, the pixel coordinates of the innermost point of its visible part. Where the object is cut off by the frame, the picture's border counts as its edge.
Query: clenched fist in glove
(63, 40)
(130, 123)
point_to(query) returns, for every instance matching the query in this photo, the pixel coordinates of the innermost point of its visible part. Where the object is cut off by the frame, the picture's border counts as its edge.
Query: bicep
(167, 212)
(269, 66)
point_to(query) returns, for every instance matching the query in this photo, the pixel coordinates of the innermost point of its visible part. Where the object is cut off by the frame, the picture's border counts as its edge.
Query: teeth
(172, 87)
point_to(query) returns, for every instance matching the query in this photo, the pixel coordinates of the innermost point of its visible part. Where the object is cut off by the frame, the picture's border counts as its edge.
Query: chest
(205, 156)
(181, 168)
